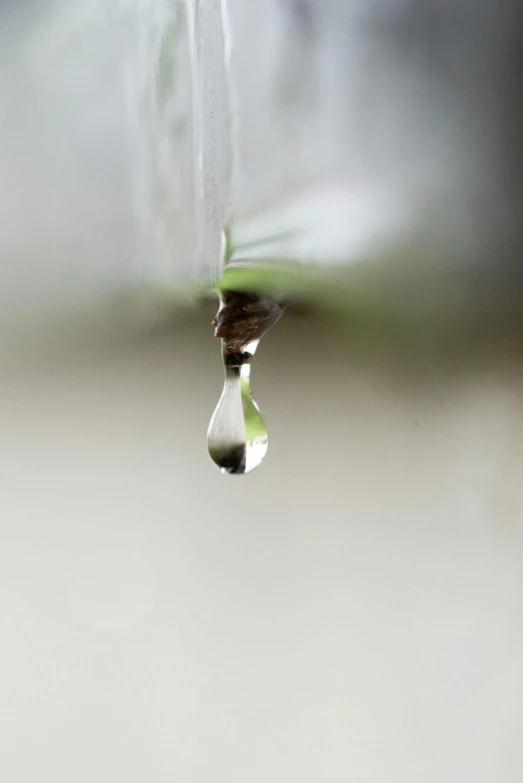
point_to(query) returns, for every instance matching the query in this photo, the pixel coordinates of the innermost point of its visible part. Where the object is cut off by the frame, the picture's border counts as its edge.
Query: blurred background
(353, 608)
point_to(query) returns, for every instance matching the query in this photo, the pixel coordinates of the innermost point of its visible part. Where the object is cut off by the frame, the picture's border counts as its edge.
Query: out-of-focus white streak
(131, 131)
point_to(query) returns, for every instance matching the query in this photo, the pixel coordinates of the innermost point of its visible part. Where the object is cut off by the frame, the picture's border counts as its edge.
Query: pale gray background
(351, 610)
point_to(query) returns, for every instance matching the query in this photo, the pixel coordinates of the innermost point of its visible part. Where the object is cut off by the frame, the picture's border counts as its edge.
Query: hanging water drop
(237, 436)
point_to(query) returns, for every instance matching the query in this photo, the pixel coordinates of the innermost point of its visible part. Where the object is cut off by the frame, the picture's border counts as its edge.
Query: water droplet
(237, 436)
